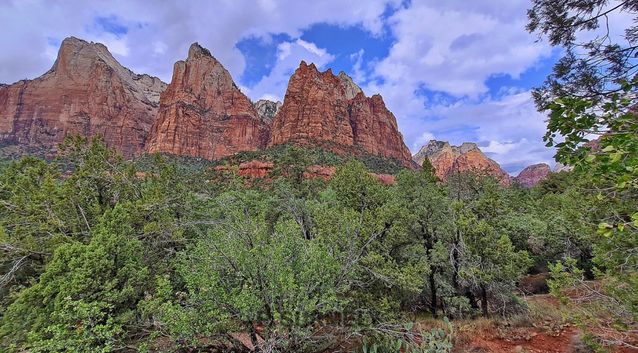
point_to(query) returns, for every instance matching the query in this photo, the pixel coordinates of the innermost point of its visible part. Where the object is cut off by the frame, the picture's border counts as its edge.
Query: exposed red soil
(544, 335)
(529, 340)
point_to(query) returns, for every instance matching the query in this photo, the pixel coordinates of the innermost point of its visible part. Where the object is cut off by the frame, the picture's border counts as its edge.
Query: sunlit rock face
(86, 92)
(204, 114)
(321, 108)
(447, 160)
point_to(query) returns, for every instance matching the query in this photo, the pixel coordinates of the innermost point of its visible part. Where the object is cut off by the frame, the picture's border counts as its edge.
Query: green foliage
(428, 170)
(610, 163)
(595, 62)
(356, 188)
(244, 273)
(82, 300)
(101, 254)
(315, 153)
(408, 340)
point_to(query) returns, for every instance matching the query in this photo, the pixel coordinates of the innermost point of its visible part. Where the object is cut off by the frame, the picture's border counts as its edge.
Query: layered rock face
(204, 114)
(447, 160)
(86, 92)
(533, 175)
(320, 107)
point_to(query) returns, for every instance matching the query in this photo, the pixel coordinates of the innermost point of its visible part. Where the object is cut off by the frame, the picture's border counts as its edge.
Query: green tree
(32, 223)
(428, 170)
(490, 262)
(85, 299)
(427, 219)
(592, 96)
(386, 267)
(244, 274)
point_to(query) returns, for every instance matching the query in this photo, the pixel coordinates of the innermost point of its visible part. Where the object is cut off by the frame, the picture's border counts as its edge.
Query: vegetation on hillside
(97, 256)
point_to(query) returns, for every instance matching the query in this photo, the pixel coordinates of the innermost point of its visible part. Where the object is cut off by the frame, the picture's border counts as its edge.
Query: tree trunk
(470, 296)
(484, 300)
(455, 258)
(253, 338)
(433, 299)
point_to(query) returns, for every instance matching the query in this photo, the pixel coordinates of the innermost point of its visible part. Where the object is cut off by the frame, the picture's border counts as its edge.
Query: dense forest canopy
(100, 254)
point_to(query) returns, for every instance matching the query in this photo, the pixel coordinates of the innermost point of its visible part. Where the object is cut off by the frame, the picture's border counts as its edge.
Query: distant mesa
(532, 175)
(447, 160)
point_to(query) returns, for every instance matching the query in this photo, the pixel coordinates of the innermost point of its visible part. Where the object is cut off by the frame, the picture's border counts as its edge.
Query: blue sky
(454, 70)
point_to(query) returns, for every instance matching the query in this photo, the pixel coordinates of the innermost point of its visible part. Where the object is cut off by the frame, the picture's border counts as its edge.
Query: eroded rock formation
(267, 109)
(447, 159)
(201, 113)
(86, 92)
(204, 114)
(533, 175)
(321, 108)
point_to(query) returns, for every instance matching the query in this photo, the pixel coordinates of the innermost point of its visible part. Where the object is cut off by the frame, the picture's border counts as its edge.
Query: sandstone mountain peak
(533, 174)
(304, 65)
(86, 92)
(203, 113)
(447, 160)
(196, 51)
(319, 108)
(467, 147)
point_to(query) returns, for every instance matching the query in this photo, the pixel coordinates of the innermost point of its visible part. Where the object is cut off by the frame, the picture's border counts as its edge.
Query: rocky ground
(545, 330)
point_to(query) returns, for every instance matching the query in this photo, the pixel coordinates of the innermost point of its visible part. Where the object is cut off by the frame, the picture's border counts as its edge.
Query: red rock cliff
(447, 159)
(533, 175)
(204, 114)
(320, 107)
(86, 92)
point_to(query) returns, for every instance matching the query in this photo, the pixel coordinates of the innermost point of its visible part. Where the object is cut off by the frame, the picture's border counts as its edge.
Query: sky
(454, 70)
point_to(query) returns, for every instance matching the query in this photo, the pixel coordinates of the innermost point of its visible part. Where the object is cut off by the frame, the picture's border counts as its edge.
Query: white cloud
(312, 48)
(454, 48)
(218, 25)
(434, 78)
(358, 73)
(159, 47)
(508, 129)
